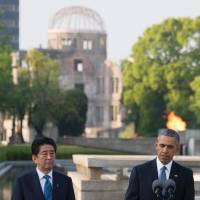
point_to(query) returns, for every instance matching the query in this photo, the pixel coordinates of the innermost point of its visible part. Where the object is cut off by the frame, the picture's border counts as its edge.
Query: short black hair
(39, 141)
(170, 133)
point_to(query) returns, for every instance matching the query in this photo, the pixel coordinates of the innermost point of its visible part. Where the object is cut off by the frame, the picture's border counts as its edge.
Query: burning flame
(175, 122)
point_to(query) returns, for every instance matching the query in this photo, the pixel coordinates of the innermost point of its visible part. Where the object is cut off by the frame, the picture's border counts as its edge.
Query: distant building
(9, 21)
(80, 35)
(78, 41)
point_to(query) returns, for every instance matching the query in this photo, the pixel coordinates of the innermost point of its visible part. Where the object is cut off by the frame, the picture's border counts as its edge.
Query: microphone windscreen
(170, 183)
(156, 184)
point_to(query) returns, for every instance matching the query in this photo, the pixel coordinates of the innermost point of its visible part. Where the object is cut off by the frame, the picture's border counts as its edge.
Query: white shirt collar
(160, 165)
(41, 174)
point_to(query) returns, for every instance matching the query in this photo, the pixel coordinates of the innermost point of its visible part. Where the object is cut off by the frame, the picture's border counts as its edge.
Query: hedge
(23, 152)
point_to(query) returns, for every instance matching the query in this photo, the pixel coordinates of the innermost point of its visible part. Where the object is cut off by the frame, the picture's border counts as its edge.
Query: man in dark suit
(142, 176)
(43, 183)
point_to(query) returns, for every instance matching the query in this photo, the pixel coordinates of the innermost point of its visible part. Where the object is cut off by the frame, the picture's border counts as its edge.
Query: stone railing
(135, 146)
(106, 176)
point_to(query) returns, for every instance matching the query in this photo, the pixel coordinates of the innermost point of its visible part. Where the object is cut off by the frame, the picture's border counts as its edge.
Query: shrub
(23, 152)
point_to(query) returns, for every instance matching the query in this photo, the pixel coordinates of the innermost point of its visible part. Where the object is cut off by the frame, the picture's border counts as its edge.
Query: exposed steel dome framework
(77, 19)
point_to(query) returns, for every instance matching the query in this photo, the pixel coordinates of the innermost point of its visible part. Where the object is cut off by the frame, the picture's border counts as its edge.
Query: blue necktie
(47, 188)
(163, 176)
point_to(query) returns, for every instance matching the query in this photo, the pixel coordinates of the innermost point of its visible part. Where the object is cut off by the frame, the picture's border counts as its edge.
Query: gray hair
(170, 133)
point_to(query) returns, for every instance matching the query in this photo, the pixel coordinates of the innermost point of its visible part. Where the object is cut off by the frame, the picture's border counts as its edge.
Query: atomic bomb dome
(77, 19)
(80, 39)
(77, 40)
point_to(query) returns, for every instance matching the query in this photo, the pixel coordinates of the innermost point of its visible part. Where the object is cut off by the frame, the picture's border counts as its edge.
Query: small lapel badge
(57, 185)
(175, 175)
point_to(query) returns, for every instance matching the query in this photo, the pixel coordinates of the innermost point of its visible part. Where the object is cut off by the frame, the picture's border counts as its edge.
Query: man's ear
(34, 159)
(155, 143)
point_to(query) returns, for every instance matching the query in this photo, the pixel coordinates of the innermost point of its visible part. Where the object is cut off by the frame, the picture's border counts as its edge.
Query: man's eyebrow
(168, 145)
(47, 151)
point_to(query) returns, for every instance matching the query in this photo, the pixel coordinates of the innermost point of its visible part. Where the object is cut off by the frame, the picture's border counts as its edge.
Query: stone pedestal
(100, 177)
(87, 189)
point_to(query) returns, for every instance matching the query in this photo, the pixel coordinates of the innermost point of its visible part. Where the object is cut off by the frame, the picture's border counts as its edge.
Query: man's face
(166, 148)
(45, 158)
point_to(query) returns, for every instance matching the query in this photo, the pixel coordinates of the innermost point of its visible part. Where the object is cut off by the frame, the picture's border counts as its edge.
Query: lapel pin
(176, 175)
(57, 185)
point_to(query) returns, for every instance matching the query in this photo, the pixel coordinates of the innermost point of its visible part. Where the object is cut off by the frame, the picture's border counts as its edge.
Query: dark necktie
(47, 188)
(163, 176)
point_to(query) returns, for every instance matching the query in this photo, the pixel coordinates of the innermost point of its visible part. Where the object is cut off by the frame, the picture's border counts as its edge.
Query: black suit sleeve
(132, 192)
(17, 193)
(189, 188)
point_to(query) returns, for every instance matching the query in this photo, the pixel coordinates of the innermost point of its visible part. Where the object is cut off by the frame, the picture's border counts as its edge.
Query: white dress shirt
(160, 165)
(42, 179)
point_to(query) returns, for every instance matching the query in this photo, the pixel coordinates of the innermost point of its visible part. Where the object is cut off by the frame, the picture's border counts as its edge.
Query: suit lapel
(37, 190)
(154, 171)
(56, 186)
(176, 175)
(150, 175)
(175, 172)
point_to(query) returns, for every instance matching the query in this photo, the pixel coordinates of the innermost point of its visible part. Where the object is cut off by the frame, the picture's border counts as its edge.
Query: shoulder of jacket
(183, 168)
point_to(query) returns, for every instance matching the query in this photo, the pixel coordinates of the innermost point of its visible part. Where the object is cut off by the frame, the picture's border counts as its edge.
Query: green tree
(157, 76)
(5, 72)
(44, 86)
(49, 103)
(17, 102)
(23, 99)
(70, 113)
(5, 78)
(195, 98)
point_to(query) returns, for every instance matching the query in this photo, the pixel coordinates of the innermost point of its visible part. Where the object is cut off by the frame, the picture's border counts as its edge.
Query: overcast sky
(125, 20)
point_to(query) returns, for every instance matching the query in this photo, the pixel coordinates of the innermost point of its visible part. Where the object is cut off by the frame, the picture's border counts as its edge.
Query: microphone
(169, 188)
(157, 187)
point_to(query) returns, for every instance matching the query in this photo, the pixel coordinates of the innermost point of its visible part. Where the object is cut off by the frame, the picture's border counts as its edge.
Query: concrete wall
(137, 146)
(190, 144)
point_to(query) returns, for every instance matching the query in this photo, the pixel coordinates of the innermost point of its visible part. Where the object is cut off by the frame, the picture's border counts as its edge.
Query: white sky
(125, 20)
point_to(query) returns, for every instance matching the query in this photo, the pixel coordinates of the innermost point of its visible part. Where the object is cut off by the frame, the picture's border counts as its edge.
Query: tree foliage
(5, 74)
(37, 94)
(44, 86)
(66, 109)
(158, 76)
(71, 120)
